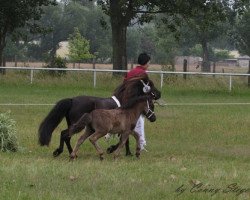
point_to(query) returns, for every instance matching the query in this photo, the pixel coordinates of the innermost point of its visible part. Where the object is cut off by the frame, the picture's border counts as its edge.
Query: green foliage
(62, 19)
(8, 139)
(18, 14)
(133, 43)
(242, 33)
(57, 62)
(215, 55)
(166, 46)
(78, 47)
(222, 55)
(212, 20)
(196, 50)
(15, 13)
(15, 49)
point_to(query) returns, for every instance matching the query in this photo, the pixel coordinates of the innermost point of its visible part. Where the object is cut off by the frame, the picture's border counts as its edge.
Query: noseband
(149, 113)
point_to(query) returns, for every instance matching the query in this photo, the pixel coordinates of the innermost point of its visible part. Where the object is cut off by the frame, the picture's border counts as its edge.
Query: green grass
(186, 145)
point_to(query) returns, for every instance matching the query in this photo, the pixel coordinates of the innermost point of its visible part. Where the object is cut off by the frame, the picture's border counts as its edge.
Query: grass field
(203, 145)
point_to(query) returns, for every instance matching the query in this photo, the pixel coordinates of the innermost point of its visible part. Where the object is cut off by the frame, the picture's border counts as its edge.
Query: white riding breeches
(139, 129)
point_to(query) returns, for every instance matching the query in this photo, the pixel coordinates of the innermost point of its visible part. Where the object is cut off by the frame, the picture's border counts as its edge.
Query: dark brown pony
(115, 121)
(73, 108)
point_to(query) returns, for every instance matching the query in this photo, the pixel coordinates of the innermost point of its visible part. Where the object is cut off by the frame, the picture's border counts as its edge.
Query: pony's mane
(131, 102)
(130, 89)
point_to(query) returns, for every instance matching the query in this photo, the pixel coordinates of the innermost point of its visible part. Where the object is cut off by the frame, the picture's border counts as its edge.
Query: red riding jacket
(137, 71)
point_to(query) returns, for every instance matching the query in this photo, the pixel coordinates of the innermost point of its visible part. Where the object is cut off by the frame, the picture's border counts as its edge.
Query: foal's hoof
(57, 152)
(72, 157)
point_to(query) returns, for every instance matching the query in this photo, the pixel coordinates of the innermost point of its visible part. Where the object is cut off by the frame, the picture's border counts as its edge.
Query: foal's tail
(52, 120)
(80, 124)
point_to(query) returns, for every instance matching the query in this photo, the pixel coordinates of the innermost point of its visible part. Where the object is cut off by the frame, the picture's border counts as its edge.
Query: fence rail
(95, 71)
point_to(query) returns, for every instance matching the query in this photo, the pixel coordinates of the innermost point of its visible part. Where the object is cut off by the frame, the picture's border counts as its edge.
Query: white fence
(95, 71)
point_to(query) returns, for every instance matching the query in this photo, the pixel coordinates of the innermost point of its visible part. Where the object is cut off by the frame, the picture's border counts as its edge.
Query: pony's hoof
(57, 152)
(138, 155)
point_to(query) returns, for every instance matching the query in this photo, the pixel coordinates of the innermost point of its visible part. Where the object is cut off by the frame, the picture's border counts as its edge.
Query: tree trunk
(119, 24)
(2, 71)
(205, 63)
(119, 32)
(3, 34)
(1, 57)
(53, 52)
(15, 60)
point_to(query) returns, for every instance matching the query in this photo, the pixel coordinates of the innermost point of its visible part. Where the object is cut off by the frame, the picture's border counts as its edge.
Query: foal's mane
(130, 89)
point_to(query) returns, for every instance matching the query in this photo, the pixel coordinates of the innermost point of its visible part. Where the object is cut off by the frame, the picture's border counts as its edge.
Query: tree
(99, 36)
(124, 13)
(242, 33)
(15, 14)
(61, 20)
(14, 50)
(121, 13)
(133, 43)
(206, 26)
(78, 47)
(212, 20)
(167, 47)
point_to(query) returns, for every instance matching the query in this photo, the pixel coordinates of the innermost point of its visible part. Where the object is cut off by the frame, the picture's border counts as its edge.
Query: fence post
(249, 73)
(31, 75)
(161, 80)
(185, 68)
(94, 79)
(230, 83)
(94, 72)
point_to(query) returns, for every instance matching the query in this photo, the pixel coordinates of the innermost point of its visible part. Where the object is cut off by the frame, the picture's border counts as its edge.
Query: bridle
(149, 112)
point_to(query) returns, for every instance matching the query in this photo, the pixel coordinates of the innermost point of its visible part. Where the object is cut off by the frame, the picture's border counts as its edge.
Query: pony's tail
(80, 124)
(52, 120)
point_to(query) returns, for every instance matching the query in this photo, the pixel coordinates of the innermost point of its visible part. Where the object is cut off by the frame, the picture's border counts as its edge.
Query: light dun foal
(116, 121)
